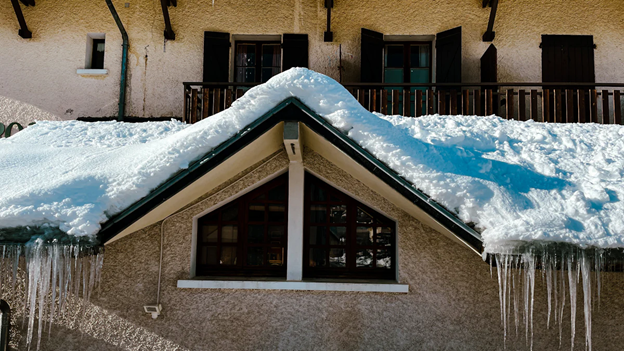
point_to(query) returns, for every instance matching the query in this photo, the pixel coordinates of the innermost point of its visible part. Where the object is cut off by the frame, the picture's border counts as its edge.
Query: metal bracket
(169, 34)
(328, 36)
(23, 31)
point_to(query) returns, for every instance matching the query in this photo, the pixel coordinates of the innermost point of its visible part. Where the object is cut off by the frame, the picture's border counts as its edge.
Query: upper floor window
(344, 238)
(257, 61)
(96, 43)
(246, 237)
(407, 62)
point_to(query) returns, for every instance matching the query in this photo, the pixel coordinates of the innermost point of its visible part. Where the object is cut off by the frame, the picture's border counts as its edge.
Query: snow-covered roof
(515, 181)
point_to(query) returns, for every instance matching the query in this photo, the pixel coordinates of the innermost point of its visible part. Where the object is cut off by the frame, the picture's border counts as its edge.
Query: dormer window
(342, 237)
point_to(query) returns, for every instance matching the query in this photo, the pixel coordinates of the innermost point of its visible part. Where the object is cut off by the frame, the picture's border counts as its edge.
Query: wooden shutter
(568, 58)
(489, 64)
(294, 51)
(371, 66)
(216, 57)
(448, 56)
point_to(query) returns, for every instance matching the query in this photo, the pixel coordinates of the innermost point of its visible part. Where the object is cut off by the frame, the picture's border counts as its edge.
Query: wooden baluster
(372, 100)
(205, 101)
(489, 101)
(239, 93)
(395, 102)
(476, 102)
(558, 106)
(453, 102)
(384, 102)
(593, 106)
(546, 105)
(228, 98)
(569, 96)
(533, 113)
(465, 102)
(580, 100)
(194, 106)
(407, 102)
(418, 103)
(510, 104)
(521, 105)
(216, 103)
(617, 108)
(430, 102)
(441, 102)
(362, 96)
(605, 107)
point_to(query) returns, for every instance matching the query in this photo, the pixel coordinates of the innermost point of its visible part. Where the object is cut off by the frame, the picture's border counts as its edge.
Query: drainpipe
(124, 62)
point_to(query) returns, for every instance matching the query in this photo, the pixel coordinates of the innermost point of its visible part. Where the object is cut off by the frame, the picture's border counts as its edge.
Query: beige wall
(39, 74)
(452, 304)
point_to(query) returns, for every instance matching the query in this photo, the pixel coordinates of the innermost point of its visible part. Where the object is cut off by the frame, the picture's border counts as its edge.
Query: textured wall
(42, 71)
(452, 304)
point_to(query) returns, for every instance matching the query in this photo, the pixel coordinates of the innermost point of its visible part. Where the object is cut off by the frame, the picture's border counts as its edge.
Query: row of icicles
(562, 272)
(56, 273)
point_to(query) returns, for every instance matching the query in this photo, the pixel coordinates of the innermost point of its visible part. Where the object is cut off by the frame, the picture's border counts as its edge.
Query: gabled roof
(290, 109)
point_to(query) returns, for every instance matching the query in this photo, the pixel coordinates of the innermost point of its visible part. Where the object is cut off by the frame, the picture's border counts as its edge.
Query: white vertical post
(294, 269)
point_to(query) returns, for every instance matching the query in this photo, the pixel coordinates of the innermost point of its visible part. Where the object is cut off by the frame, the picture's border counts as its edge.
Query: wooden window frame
(258, 67)
(241, 268)
(350, 271)
(406, 58)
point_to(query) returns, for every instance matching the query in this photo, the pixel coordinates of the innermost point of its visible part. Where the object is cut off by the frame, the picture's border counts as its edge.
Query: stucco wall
(452, 304)
(42, 71)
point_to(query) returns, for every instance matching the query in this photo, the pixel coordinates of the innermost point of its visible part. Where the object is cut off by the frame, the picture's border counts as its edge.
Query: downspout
(124, 63)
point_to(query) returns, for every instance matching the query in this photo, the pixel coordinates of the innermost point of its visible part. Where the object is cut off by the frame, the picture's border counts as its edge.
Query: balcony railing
(542, 102)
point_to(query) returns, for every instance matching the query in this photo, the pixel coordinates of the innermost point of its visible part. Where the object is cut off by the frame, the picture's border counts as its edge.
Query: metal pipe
(124, 62)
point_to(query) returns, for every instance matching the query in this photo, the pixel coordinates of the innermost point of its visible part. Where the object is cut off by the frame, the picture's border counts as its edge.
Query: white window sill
(92, 72)
(390, 287)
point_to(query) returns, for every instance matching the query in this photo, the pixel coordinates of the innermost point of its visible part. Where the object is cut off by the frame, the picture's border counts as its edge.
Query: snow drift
(516, 181)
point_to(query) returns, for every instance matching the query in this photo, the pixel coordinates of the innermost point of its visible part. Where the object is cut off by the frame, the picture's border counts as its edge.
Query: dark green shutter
(294, 51)
(448, 56)
(489, 62)
(216, 57)
(371, 53)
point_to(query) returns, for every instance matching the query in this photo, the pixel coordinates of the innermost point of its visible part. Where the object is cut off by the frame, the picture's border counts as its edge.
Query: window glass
(340, 245)
(247, 236)
(408, 62)
(257, 61)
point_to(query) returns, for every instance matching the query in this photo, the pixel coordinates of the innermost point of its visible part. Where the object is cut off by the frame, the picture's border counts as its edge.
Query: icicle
(572, 286)
(585, 267)
(548, 269)
(69, 268)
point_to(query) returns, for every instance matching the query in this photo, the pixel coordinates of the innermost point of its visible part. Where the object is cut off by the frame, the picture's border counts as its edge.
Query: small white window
(94, 57)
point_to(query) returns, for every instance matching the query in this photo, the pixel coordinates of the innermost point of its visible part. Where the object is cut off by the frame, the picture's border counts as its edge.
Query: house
(285, 233)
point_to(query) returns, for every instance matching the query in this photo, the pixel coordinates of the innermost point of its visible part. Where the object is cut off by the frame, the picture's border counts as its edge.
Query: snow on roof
(516, 181)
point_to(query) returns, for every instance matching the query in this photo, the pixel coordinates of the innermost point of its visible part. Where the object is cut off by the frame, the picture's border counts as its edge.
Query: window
(407, 62)
(344, 238)
(246, 237)
(95, 51)
(257, 61)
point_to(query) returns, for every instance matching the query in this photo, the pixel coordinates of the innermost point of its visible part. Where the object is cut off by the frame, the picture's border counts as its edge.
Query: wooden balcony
(542, 102)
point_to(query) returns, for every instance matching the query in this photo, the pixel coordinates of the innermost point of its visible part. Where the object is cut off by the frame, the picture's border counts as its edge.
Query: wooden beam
(489, 33)
(485, 3)
(23, 31)
(169, 34)
(328, 36)
(28, 2)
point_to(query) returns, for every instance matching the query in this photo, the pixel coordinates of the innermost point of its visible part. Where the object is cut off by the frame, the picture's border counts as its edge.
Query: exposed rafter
(328, 36)
(23, 31)
(169, 34)
(489, 33)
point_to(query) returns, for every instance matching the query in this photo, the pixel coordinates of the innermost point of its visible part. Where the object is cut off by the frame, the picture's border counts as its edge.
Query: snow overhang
(262, 138)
